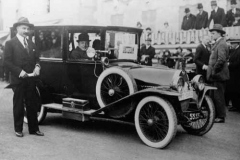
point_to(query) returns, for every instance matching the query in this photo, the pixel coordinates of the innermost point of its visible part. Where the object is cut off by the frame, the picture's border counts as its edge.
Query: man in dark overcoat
(202, 55)
(217, 71)
(188, 20)
(147, 53)
(201, 18)
(233, 85)
(21, 58)
(233, 15)
(217, 15)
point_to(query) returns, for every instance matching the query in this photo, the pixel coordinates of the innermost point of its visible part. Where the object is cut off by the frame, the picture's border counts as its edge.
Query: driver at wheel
(80, 51)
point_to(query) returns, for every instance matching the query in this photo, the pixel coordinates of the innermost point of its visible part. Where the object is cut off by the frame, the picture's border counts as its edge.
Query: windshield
(123, 45)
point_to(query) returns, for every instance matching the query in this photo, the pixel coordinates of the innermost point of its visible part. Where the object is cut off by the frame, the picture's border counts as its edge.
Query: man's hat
(233, 2)
(148, 39)
(23, 21)
(218, 28)
(83, 37)
(213, 3)
(199, 5)
(187, 10)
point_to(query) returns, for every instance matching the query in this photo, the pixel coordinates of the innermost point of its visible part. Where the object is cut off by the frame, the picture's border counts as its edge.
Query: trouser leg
(236, 100)
(18, 107)
(219, 99)
(30, 96)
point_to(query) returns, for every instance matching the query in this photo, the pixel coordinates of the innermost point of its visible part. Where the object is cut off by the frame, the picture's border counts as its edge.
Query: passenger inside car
(80, 51)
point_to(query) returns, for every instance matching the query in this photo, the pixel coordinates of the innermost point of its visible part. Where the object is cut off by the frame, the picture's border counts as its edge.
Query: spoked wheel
(204, 120)
(113, 84)
(41, 111)
(155, 121)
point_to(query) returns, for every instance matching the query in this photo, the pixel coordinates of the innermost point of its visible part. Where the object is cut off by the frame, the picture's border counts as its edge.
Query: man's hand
(204, 67)
(36, 71)
(23, 74)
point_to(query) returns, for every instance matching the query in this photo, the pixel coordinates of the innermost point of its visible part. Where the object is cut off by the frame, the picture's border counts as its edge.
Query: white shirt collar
(147, 46)
(234, 10)
(21, 39)
(216, 9)
(204, 45)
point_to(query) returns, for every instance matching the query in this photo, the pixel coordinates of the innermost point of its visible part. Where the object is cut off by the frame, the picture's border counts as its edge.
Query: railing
(190, 38)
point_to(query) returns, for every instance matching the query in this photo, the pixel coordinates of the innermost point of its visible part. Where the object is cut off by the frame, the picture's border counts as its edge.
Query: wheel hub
(111, 92)
(150, 122)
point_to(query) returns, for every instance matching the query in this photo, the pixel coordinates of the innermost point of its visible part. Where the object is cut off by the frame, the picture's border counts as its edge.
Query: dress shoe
(19, 134)
(37, 133)
(233, 109)
(219, 120)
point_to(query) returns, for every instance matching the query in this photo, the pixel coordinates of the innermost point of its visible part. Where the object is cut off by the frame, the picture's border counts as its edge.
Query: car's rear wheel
(41, 111)
(112, 85)
(203, 124)
(155, 121)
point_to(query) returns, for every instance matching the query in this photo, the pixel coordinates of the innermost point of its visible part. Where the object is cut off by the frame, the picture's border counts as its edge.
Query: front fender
(135, 97)
(207, 88)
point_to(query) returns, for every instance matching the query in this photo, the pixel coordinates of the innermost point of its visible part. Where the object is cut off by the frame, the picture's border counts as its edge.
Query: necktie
(26, 45)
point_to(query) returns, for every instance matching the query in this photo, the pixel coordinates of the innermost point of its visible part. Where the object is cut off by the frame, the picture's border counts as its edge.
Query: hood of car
(154, 76)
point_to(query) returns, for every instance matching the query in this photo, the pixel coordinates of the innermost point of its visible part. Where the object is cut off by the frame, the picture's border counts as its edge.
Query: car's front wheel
(155, 121)
(41, 111)
(200, 123)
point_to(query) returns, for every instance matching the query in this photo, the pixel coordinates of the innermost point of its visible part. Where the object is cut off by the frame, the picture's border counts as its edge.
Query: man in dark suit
(217, 71)
(201, 18)
(147, 53)
(217, 15)
(233, 85)
(233, 15)
(21, 58)
(202, 55)
(188, 20)
(1, 63)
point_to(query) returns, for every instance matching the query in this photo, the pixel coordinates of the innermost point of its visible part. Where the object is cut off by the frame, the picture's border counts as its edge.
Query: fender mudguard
(207, 88)
(136, 95)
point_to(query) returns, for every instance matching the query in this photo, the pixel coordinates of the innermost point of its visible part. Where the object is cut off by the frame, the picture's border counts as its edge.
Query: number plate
(185, 95)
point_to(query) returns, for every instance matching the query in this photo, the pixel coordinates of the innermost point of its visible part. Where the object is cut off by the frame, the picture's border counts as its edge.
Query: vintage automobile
(111, 84)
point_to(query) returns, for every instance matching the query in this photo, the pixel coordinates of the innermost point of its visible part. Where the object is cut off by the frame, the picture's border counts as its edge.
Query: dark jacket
(201, 20)
(79, 54)
(230, 17)
(234, 69)
(218, 17)
(201, 58)
(218, 67)
(188, 22)
(1, 58)
(16, 59)
(150, 52)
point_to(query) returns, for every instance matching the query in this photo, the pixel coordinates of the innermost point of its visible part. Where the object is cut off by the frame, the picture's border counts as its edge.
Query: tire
(113, 84)
(41, 111)
(202, 126)
(149, 113)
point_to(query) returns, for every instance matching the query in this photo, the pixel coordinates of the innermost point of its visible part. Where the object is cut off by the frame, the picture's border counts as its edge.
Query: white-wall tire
(105, 94)
(161, 109)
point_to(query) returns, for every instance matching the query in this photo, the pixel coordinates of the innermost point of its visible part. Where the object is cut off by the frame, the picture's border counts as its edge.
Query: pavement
(72, 140)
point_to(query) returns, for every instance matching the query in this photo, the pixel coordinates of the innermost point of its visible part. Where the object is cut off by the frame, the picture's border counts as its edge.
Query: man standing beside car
(202, 55)
(21, 58)
(147, 53)
(217, 71)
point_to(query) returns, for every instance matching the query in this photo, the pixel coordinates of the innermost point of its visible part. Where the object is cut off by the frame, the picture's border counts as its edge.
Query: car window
(94, 42)
(124, 45)
(48, 42)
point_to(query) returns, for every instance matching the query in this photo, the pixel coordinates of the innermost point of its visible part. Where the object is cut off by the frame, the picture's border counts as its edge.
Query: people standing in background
(218, 72)
(202, 55)
(188, 20)
(188, 55)
(217, 15)
(233, 85)
(201, 18)
(233, 15)
(139, 24)
(148, 32)
(147, 53)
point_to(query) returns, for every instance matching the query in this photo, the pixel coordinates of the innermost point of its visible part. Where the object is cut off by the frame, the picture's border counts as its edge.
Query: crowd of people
(217, 15)
(215, 59)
